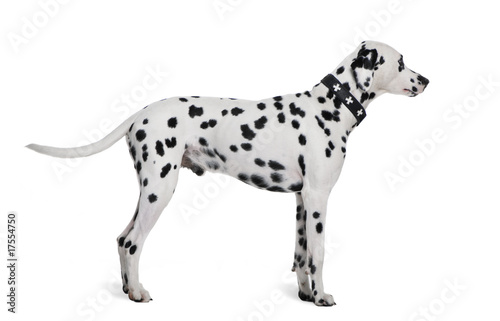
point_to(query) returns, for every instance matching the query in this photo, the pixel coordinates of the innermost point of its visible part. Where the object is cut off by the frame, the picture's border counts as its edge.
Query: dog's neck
(344, 74)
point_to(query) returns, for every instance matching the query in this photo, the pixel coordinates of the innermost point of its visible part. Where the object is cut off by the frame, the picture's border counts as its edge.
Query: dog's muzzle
(417, 88)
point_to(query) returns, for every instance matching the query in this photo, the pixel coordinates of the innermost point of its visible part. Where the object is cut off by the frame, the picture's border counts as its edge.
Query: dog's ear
(363, 67)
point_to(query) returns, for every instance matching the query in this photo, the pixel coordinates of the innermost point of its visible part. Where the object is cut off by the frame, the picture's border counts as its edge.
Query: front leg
(300, 255)
(315, 206)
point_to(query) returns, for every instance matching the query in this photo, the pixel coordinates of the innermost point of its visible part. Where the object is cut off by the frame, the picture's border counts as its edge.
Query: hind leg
(153, 199)
(122, 250)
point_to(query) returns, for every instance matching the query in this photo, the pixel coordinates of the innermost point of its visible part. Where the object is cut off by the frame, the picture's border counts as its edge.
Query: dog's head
(378, 67)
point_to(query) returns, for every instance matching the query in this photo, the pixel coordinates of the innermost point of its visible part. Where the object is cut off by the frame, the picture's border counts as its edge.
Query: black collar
(340, 92)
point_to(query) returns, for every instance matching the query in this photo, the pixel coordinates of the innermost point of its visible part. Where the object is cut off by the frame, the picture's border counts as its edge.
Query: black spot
(172, 122)
(321, 100)
(121, 241)
(327, 132)
(222, 157)
(171, 143)
(145, 121)
(197, 170)
(233, 148)
(145, 182)
(246, 132)
(145, 156)
(414, 88)
(278, 98)
(276, 189)
(302, 164)
(276, 177)
(343, 150)
(401, 64)
(260, 123)
(372, 95)
(224, 112)
(328, 116)
(125, 277)
(213, 165)
(246, 146)
(364, 97)
(295, 124)
(259, 162)
(313, 270)
(159, 148)
(208, 152)
(344, 139)
(128, 244)
(259, 181)
(337, 102)
(316, 214)
(278, 105)
(195, 111)
(261, 106)
(211, 123)
(382, 60)
(321, 124)
(319, 227)
(184, 100)
(307, 93)
(130, 129)
(340, 70)
(133, 152)
(330, 144)
(133, 249)
(203, 141)
(140, 135)
(281, 118)
(236, 111)
(329, 94)
(275, 165)
(302, 140)
(243, 177)
(297, 187)
(296, 110)
(298, 95)
(165, 169)
(328, 152)
(301, 241)
(138, 166)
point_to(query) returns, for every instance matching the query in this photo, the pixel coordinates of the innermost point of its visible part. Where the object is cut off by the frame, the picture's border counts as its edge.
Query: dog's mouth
(410, 92)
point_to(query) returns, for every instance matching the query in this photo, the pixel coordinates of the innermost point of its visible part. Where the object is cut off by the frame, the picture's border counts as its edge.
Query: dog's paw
(138, 294)
(305, 296)
(326, 300)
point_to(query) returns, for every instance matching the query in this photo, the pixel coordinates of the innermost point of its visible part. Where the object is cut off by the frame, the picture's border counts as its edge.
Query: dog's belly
(266, 168)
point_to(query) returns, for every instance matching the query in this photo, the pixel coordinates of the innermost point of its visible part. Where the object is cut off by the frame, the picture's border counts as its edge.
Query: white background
(223, 250)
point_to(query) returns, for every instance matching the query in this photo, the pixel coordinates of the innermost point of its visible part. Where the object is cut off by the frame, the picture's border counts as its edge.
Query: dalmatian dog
(293, 143)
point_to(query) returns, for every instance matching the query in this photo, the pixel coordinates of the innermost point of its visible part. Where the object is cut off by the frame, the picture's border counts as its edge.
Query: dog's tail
(86, 150)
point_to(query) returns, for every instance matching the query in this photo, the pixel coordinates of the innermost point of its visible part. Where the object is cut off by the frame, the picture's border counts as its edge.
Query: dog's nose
(424, 81)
